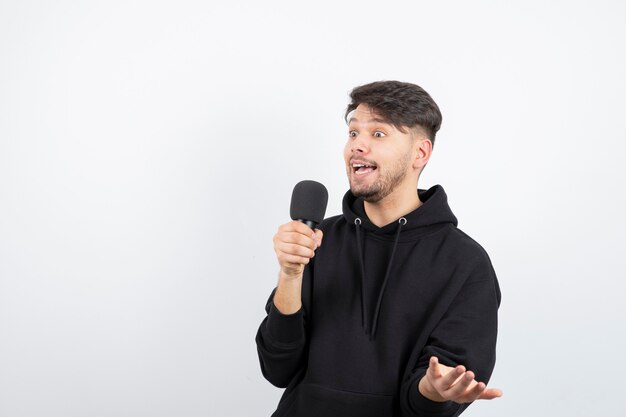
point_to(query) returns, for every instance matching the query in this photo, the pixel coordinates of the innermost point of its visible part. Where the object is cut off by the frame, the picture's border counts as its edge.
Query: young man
(388, 309)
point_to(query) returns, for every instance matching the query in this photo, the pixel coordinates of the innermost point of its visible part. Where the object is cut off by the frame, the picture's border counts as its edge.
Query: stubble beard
(384, 184)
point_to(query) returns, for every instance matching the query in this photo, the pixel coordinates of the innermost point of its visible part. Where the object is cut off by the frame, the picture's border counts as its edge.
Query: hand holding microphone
(296, 241)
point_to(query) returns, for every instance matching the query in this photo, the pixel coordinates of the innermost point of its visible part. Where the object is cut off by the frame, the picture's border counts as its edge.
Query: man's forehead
(365, 114)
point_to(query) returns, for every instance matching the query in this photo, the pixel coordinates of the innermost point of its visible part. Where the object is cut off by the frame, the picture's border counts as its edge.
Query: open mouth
(362, 169)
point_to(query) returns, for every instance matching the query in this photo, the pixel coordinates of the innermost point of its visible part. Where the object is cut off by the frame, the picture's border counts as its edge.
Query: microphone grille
(308, 201)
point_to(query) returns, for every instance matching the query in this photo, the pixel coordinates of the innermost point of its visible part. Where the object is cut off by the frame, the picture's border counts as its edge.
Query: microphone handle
(309, 223)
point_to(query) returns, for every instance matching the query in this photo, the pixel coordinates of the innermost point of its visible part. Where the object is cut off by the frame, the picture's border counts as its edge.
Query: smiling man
(388, 309)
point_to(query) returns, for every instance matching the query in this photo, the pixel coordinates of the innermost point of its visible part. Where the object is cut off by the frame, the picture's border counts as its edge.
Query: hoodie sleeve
(466, 335)
(281, 341)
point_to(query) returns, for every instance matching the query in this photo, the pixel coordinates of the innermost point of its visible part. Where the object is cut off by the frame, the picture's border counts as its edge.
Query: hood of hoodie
(432, 215)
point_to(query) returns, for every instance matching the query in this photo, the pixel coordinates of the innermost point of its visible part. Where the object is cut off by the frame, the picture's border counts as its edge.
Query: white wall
(148, 151)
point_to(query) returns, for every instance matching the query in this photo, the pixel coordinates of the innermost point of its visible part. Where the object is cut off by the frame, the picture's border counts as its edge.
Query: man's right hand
(295, 245)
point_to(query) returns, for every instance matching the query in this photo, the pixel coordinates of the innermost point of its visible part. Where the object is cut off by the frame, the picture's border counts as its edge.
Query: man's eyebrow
(375, 120)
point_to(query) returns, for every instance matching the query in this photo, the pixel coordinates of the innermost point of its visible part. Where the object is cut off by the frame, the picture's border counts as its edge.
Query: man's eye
(379, 134)
(352, 134)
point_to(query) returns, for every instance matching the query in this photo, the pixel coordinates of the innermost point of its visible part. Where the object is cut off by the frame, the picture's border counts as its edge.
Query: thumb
(318, 237)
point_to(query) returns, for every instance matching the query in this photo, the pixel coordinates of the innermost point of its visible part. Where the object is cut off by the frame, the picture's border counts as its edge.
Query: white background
(148, 150)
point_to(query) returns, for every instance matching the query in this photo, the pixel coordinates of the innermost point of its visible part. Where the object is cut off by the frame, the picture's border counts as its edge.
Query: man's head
(403, 105)
(391, 130)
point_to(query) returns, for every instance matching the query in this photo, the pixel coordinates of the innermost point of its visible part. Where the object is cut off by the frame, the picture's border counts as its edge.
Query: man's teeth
(362, 168)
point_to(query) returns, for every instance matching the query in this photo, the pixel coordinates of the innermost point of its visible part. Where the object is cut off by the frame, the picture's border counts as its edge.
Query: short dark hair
(402, 105)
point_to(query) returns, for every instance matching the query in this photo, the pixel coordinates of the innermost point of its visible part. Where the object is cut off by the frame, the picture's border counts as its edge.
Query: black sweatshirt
(377, 304)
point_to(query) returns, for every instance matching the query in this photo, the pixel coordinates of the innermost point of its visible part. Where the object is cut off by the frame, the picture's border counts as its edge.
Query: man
(388, 309)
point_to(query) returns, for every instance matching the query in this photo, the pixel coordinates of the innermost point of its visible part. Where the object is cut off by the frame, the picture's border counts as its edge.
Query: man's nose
(359, 144)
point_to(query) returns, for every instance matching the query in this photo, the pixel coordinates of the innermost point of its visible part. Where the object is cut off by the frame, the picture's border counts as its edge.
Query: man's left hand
(443, 383)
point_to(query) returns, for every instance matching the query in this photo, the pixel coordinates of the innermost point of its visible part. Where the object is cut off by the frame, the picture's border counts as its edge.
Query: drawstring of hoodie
(357, 223)
(372, 330)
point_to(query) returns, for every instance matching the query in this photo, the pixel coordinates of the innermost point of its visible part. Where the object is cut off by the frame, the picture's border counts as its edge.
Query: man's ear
(423, 150)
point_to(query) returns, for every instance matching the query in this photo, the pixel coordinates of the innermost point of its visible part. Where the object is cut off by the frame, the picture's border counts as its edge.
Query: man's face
(378, 156)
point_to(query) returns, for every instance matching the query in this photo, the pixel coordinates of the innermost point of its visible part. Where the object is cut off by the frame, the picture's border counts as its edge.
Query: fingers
(474, 392)
(296, 226)
(490, 393)
(458, 384)
(432, 363)
(454, 377)
(444, 375)
(319, 235)
(460, 390)
(295, 244)
(479, 391)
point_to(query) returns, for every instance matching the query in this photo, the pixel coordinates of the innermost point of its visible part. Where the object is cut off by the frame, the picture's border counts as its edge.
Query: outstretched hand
(443, 383)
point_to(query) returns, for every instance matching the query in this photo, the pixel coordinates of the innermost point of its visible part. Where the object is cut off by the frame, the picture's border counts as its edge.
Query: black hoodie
(377, 304)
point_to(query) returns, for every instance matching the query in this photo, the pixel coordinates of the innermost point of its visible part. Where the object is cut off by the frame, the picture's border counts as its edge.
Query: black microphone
(308, 203)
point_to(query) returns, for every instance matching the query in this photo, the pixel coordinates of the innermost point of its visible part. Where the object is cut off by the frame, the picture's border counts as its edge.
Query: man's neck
(392, 207)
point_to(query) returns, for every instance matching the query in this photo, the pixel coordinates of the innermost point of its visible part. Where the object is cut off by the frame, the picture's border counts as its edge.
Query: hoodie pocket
(319, 401)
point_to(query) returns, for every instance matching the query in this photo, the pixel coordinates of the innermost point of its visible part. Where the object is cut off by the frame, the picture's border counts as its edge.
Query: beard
(384, 184)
